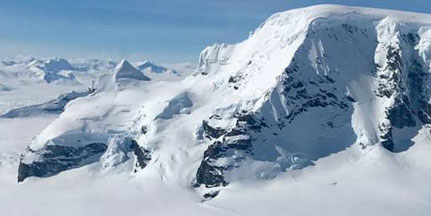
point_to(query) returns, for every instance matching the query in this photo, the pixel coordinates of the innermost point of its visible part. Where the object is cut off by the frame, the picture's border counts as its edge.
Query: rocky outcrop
(143, 156)
(402, 82)
(306, 84)
(225, 143)
(54, 159)
(313, 110)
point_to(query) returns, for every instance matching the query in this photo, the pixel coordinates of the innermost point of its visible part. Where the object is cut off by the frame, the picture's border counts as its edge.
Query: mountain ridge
(308, 83)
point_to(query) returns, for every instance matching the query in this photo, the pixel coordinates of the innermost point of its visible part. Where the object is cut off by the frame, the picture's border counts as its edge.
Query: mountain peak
(151, 67)
(358, 79)
(309, 14)
(57, 64)
(125, 70)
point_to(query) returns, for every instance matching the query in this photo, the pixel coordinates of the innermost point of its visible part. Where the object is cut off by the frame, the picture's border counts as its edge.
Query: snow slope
(51, 107)
(322, 110)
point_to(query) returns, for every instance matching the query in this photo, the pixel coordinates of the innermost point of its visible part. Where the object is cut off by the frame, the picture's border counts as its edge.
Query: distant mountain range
(62, 71)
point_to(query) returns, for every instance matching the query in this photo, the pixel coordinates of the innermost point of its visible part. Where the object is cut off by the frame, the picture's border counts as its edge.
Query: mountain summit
(57, 64)
(150, 67)
(308, 84)
(124, 70)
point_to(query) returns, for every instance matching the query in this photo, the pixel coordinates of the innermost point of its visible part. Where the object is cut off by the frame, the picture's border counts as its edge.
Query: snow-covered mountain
(150, 67)
(74, 71)
(54, 70)
(324, 87)
(125, 70)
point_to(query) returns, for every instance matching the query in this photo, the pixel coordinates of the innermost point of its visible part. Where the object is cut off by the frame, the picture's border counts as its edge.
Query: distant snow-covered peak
(125, 70)
(57, 64)
(83, 70)
(34, 63)
(150, 67)
(94, 65)
(19, 59)
(184, 68)
(54, 70)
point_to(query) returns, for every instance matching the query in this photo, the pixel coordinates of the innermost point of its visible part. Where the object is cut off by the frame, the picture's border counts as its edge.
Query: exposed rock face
(312, 112)
(78, 149)
(303, 86)
(402, 81)
(55, 158)
(143, 156)
(230, 142)
(121, 149)
(67, 151)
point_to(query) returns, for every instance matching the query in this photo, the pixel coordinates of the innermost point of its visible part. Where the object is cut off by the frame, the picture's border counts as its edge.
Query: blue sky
(160, 30)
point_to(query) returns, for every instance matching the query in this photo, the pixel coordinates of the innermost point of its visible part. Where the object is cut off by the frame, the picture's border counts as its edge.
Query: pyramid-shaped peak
(125, 70)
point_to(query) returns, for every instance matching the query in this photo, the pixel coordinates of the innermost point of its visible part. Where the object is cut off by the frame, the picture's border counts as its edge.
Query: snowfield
(324, 110)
